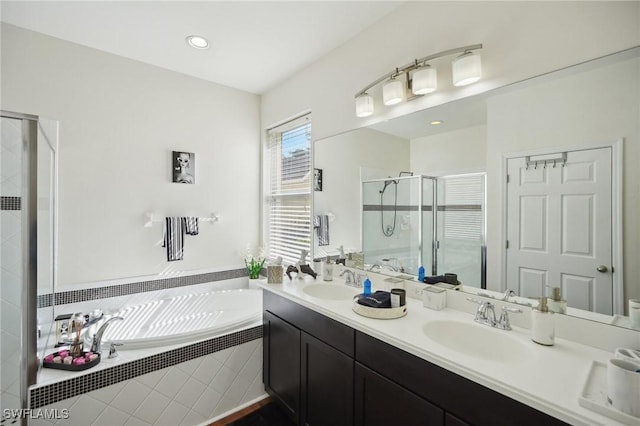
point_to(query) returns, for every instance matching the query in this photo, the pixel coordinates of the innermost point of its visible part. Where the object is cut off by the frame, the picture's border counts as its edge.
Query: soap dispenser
(542, 324)
(556, 304)
(327, 270)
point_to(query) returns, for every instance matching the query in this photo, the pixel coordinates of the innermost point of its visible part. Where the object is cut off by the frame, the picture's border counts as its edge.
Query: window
(288, 190)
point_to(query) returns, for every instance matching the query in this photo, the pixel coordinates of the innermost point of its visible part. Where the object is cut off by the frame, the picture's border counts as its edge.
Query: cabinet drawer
(319, 326)
(467, 400)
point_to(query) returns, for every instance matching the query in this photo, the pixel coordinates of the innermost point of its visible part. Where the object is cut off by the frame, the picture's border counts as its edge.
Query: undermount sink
(330, 291)
(478, 341)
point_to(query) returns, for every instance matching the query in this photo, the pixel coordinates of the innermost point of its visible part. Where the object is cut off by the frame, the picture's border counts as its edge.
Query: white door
(559, 228)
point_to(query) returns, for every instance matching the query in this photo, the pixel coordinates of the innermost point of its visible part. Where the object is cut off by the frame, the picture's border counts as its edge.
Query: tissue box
(434, 298)
(274, 274)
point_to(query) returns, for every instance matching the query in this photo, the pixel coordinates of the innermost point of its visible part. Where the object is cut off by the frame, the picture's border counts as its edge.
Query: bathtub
(183, 318)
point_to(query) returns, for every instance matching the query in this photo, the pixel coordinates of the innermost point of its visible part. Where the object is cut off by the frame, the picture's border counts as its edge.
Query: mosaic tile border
(10, 203)
(83, 295)
(54, 392)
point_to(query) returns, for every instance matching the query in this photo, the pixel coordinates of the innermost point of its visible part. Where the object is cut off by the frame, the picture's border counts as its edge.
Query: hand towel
(321, 225)
(174, 230)
(379, 299)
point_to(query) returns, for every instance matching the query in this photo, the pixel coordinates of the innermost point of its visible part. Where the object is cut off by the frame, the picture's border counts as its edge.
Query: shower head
(387, 183)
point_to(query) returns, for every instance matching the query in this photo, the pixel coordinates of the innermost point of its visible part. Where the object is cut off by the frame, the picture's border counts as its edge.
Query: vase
(253, 283)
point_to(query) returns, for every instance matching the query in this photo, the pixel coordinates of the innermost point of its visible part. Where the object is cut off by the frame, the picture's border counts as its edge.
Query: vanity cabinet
(381, 402)
(281, 358)
(464, 401)
(308, 363)
(326, 373)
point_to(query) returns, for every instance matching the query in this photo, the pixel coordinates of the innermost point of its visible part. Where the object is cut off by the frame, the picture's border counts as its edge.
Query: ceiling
(253, 45)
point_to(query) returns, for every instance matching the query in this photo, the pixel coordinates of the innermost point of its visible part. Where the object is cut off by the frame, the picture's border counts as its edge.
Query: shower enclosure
(435, 222)
(28, 182)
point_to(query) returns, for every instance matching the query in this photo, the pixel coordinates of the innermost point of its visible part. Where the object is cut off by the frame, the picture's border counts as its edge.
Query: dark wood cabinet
(308, 363)
(465, 399)
(381, 402)
(281, 359)
(325, 373)
(327, 384)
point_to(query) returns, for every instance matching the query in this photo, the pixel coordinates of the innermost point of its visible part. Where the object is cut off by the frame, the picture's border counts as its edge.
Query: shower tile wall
(188, 393)
(10, 262)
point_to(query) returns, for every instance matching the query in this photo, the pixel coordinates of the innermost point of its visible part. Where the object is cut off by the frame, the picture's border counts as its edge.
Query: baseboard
(255, 401)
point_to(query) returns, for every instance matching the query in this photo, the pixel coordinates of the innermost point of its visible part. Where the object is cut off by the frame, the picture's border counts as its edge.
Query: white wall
(457, 151)
(341, 157)
(521, 39)
(571, 111)
(119, 121)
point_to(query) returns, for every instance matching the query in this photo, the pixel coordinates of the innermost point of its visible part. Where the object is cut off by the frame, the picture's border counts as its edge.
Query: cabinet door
(327, 385)
(451, 420)
(281, 363)
(381, 402)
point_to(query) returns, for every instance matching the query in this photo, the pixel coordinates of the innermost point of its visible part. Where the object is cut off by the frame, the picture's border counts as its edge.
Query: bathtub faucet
(97, 338)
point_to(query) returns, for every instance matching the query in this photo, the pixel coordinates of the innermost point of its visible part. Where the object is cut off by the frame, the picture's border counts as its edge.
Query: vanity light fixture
(392, 91)
(425, 80)
(419, 78)
(364, 105)
(197, 42)
(466, 69)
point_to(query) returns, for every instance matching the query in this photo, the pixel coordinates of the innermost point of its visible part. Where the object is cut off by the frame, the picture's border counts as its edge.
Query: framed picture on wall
(317, 179)
(183, 167)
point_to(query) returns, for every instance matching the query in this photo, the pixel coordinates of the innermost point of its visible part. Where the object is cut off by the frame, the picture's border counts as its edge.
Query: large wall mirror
(569, 142)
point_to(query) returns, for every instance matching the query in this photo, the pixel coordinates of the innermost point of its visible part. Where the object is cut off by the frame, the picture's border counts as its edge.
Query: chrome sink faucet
(486, 314)
(350, 278)
(508, 294)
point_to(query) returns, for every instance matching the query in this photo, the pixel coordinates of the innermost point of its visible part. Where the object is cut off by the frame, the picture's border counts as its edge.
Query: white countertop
(550, 380)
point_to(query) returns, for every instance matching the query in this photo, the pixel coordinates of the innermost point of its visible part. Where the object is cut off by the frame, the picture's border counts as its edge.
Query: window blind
(462, 204)
(288, 201)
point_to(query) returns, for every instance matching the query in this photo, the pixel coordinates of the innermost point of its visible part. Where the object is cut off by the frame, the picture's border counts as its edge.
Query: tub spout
(97, 337)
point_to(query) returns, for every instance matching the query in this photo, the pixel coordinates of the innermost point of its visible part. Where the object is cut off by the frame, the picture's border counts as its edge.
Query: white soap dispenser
(543, 329)
(556, 304)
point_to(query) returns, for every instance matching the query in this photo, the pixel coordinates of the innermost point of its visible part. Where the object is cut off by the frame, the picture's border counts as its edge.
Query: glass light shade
(467, 69)
(425, 80)
(392, 92)
(364, 105)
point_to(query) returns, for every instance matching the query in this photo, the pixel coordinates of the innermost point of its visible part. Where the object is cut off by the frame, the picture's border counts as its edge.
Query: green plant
(254, 264)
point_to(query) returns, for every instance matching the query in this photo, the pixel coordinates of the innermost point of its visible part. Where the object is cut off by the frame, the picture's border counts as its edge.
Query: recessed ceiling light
(198, 42)
(436, 122)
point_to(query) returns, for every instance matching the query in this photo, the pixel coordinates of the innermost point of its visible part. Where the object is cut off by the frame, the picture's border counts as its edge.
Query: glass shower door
(460, 227)
(390, 221)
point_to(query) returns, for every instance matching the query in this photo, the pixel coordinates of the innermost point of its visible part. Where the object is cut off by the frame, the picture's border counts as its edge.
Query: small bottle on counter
(327, 270)
(421, 273)
(556, 304)
(542, 324)
(366, 287)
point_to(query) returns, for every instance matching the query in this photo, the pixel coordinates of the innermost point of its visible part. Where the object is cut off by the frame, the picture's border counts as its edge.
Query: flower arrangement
(254, 263)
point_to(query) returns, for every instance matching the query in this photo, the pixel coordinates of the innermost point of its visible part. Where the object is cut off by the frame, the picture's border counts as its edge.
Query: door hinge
(437, 244)
(506, 244)
(612, 270)
(507, 178)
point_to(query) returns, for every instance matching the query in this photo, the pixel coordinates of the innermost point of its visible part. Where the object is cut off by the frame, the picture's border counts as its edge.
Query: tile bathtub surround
(189, 393)
(54, 392)
(10, 203)
(83, 295)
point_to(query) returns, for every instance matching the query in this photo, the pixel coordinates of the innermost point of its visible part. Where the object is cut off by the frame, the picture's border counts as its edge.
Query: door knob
(602, 268)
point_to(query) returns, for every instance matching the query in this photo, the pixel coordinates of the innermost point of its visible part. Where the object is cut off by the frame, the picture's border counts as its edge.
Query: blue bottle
(421, 273)
(367, 287)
